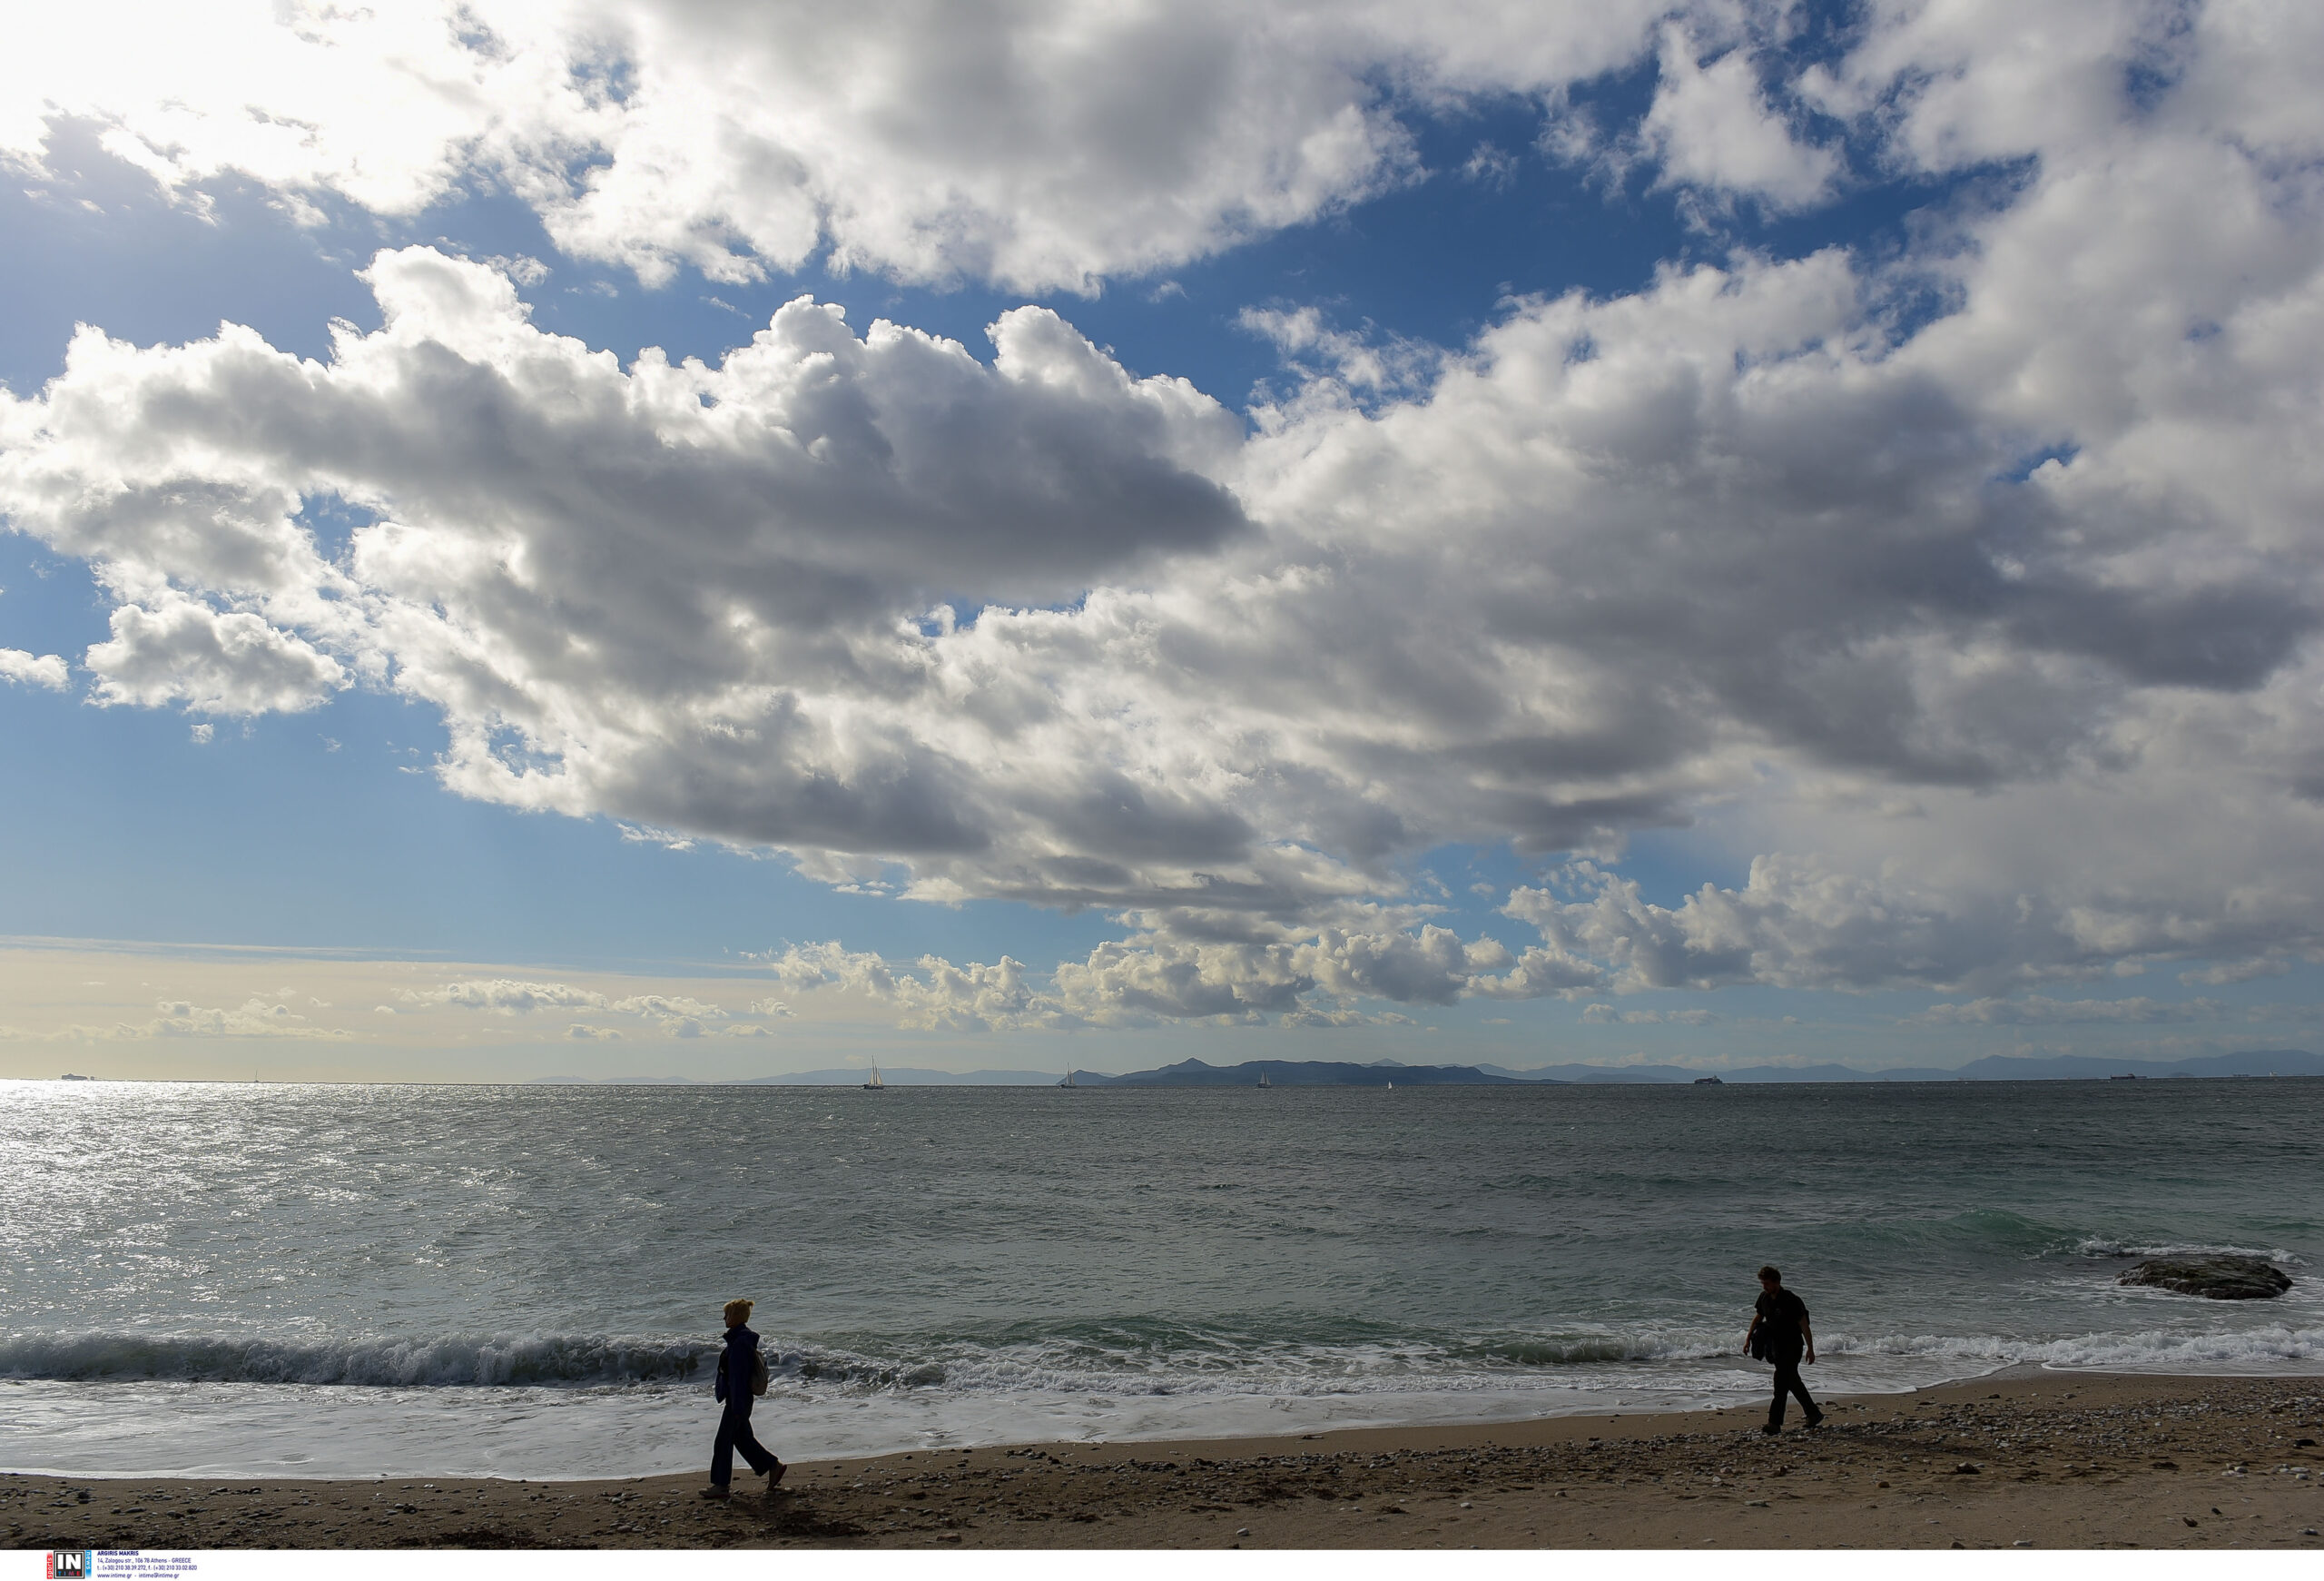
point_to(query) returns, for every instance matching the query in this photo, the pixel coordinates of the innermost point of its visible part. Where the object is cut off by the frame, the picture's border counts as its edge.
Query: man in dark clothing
(736, 1364)
(1778, 1334)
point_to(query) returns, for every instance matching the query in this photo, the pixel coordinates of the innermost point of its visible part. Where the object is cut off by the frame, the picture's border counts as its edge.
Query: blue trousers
(735, 1433)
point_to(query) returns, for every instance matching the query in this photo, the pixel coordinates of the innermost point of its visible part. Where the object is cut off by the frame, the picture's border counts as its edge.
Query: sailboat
(1068, 1081)
(1263, 1077)
(878, 1084)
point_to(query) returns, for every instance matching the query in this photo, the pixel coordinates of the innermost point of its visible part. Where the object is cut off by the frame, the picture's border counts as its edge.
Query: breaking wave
(1187, 1363)
(443, 1361)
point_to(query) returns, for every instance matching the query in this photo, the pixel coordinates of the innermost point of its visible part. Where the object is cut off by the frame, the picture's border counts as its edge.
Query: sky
(698, 539)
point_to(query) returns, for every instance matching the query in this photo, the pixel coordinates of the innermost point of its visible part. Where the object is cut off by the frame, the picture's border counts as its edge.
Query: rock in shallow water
(2223, 1279)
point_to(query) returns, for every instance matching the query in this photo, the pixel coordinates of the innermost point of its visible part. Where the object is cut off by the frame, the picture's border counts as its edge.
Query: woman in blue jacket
(737, 1364)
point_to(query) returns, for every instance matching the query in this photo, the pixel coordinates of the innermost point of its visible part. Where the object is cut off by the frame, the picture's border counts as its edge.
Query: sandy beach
(2048, 1460)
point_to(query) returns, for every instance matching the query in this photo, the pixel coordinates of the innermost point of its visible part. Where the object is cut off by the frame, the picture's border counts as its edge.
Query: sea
(260, 1280)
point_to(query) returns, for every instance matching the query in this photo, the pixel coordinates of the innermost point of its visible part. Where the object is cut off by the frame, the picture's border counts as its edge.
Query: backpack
(758, 1373)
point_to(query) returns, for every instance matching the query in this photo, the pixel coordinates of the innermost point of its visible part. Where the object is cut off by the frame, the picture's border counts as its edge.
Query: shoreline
(1517, 1417)
(2020, 1456)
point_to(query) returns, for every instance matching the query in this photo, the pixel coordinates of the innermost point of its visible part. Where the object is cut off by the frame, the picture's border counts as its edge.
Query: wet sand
(2049, 1460)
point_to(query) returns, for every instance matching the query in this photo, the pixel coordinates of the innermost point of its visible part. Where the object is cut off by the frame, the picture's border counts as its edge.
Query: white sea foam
(2102, 1246)
(149, 1424)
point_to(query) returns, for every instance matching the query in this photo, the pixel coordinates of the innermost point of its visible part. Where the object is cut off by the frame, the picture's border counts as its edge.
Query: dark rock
(2223, 1279)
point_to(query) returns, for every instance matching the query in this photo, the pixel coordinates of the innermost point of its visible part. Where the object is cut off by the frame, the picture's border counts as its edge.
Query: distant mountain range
(1993, 1068)
(1342, 1073)
(1298, 1074)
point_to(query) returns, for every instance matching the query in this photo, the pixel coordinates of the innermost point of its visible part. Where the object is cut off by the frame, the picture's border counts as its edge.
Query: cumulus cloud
(1604, 1015)
(46, 670)
(1972, 591)
(215, 663)
(672, 1016)
(1157, 976)
(180, 1018)
(1034, 144)
(2033, 1010)
(668, 1006)
(2221, 975)
(1711, 127)
(941, 995)
(505, 996)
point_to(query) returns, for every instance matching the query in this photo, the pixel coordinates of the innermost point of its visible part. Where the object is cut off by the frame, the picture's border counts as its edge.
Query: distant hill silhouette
(1344, 1073)
(1297, 1074)
(1993, 1068)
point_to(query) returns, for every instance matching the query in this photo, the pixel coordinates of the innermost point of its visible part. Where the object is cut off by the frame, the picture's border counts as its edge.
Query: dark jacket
(733, 1382)
(1781, 1316)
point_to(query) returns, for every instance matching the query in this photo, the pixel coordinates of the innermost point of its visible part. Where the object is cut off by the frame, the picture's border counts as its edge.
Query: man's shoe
(715, 1490)
(1816, 1420)
(1771, 1428)
(775, 1476)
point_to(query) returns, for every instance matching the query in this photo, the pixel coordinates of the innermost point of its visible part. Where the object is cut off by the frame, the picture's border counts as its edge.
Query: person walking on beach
(1780, 1333)
(740, 1375)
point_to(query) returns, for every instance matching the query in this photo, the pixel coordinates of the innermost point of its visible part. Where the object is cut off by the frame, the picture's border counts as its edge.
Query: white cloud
(507, 996)
(972, 997)
(46, 670)
(2220, 976)
(215, 663)
(1035, 144)
(1710, 127)
(179, 1018)
(1603, 1015)
(2033, 1010)
(665, 1005)
(1752, 544)
(1328, 356)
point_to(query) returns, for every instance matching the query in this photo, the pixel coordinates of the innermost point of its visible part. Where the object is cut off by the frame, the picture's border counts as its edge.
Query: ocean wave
(1073, 1365)
(439, 1360)
(2005, 1231)
(2277, 1346)
(2104, 1247)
